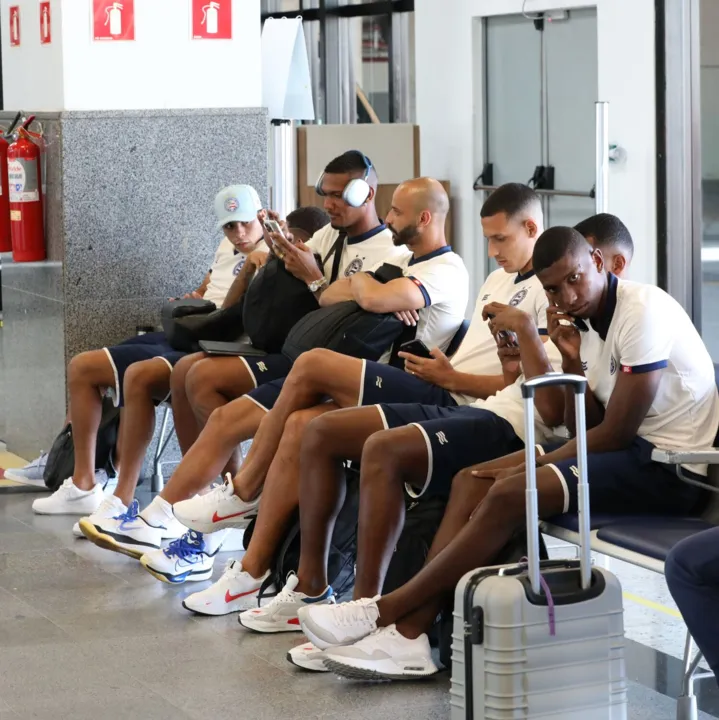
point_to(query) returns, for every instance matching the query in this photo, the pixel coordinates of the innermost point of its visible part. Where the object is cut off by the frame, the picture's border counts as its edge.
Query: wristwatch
(316, 285)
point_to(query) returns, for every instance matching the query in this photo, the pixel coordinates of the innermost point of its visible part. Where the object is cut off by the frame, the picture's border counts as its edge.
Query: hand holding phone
(416, 347)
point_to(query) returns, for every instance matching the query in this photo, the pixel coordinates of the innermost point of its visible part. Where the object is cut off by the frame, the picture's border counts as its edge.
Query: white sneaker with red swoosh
(236, 590)
(218, 509)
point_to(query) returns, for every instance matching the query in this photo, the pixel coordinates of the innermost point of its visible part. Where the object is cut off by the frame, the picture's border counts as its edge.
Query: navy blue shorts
(136, 349)
(388, 384)
(456, 437)
(268, 368)
(266, 395)
(629, 481)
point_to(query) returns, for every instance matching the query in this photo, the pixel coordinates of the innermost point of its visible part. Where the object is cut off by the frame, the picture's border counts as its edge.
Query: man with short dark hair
(650, 384)
(608, 233)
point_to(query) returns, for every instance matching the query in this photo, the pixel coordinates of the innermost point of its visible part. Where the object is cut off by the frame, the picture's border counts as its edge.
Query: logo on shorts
(585, 365)
(239, 267)
(379, 382)
(231, 204)
(612, 365)
(575, 470)
(262, 367)
(442, 438)
(354, 267)
(518, 297)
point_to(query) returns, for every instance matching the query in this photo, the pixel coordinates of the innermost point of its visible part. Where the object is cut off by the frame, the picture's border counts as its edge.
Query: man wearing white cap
(136, 373)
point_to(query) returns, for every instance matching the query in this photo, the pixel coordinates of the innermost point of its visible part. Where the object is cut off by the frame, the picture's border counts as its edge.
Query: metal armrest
(710, 456)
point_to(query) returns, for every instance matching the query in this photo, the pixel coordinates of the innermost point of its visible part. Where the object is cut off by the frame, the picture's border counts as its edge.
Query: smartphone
(507, 335)
(416, 347)
(272, 226)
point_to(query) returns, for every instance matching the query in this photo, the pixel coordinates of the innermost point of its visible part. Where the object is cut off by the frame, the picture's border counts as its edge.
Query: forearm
(239, 285)
(339, 291)
(593, 409)
(549, 401)
(601, 439)
(203, 286)
(477, 386)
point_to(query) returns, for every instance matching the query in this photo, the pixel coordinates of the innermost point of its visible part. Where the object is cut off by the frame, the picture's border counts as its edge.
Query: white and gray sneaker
(307, 657)
(236, 590)
(343, 624)
(129, 533)
(280, 615)
(110, 507)
(68, 499)
(386, 654)
(31, 474)
(183, 560)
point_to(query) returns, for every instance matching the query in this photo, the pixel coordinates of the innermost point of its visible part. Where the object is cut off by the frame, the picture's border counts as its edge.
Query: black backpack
(343, 549)
(276, 300)
(61, 458)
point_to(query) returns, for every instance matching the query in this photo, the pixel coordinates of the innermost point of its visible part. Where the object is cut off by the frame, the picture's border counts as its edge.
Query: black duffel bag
(181, 320)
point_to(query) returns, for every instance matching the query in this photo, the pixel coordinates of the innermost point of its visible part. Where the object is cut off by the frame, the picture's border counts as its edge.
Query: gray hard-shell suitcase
(521, 652)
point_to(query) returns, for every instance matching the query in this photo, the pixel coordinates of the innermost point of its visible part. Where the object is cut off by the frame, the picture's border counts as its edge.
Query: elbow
(615, 438)
(369, 303)
(552, 418)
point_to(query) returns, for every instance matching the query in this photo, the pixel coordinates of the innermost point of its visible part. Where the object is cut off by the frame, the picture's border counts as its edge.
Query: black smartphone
(416, 347)
(507, 335)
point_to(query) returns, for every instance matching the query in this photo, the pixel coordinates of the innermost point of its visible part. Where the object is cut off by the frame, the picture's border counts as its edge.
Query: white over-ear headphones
(357, 190)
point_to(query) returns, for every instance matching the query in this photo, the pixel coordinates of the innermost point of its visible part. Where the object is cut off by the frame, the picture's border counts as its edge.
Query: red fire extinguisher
(5, 236)
(26, 206)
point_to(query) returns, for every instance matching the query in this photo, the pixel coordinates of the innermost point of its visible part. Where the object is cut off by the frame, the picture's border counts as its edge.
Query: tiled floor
(88, 634)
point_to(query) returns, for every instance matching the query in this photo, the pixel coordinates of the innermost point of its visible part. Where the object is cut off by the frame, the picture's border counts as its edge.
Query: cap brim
(235, 217)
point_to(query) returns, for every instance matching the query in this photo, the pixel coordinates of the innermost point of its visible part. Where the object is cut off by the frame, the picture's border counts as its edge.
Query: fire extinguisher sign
(45, 24)
(212, 19)
(23, 181)
(113, 19)
(14, 26)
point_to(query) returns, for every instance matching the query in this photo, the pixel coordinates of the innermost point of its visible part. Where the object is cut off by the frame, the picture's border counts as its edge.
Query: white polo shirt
(444, 282)
(644, 329)
(226, 266)
(366, 252)
(477, 355)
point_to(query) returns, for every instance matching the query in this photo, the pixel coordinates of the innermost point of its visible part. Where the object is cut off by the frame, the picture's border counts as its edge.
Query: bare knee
(144, 380)
(507, 498)
(311, 367)
(393, 452)
(317, 436)
(87, 367)
(297, 424)
(181, 369)
(199, 378)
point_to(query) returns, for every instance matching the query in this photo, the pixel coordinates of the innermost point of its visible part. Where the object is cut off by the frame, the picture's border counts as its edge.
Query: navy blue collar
(429, 256)
(521, 278)
(366, 236)
(601, 324)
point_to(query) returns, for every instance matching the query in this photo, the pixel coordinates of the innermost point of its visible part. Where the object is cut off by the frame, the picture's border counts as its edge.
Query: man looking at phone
(651, 384)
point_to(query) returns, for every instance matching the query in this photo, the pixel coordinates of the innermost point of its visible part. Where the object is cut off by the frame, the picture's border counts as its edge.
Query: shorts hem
(114, 392)
(408, 488)
(257, 402)
(360, 397)
(565, 488)
(169, 365)
(383, 417)
(249, 370)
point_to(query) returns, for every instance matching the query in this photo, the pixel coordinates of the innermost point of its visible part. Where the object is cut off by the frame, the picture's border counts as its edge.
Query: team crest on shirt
(354, 267)
(238, 267)
(231, 204)
(518, 297)
(612, 365)
(485, 297)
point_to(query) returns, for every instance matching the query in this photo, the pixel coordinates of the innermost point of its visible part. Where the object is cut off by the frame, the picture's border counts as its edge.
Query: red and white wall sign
(212, 19)
(14, 26)
(45, 23)
(113, 19)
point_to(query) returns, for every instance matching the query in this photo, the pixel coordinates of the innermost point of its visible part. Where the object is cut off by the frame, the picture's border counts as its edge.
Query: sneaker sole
(86, 512)
(189, 576)
(207, 613)
(268, 629)
(317, 665)
(109, 543)
(353, 672)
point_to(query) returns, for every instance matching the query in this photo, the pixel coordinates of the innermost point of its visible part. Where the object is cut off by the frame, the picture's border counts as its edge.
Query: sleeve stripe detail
(649, 367)
(543, 331)
(423, 290)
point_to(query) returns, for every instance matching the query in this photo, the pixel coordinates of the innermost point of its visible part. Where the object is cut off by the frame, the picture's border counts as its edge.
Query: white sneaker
(110, 507)
(307, 657)
(280, 615)
(31, 474)
(343, 624)
(386, 654)
(128, 533)
(69, 500)
(220, 508)
(236, 590)
(184, 559)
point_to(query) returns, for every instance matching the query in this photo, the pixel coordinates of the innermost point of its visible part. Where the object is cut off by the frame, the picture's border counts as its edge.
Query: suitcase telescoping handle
(529, 387)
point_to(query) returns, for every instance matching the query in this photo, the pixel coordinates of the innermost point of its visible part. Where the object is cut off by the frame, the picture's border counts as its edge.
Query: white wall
(450, 113)
(710, 88)
(162, 68)
(32, 73)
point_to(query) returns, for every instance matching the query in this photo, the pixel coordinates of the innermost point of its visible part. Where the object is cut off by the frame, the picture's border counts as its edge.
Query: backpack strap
(336, 252)
(409, 332)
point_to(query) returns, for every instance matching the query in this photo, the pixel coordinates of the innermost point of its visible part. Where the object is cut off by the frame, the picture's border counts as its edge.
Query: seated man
(513, 218)
(91, 373)
(147, 382)
(651, 385)
(436, 272)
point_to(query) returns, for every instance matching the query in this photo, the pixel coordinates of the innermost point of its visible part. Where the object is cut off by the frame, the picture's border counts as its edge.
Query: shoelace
(186, 547)
(286, 595)
(38, 461)
(355, 611)
(132, 512)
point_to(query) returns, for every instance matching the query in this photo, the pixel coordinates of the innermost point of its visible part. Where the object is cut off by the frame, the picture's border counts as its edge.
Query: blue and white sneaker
(129, 533)
(280, 615)
(184, 560)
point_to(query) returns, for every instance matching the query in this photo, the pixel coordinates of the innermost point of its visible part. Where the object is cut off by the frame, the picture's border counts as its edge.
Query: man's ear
(619, 265)
(532, 229)
(598, 259)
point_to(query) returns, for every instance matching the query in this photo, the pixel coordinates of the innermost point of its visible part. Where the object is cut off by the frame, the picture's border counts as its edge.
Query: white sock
(214, 540)
(157, 512)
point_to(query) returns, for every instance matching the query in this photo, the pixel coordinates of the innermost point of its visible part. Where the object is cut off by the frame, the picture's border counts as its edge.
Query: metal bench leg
(158, 481)
(687, 701)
